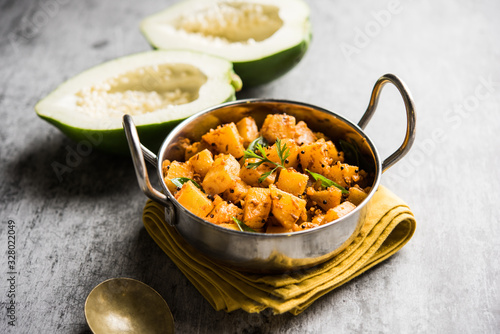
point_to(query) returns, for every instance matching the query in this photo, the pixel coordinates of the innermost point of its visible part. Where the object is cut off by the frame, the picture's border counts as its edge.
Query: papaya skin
(264, 70)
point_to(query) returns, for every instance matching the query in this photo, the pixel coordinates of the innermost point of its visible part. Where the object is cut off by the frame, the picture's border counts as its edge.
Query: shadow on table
(86, 331)
(56, 166)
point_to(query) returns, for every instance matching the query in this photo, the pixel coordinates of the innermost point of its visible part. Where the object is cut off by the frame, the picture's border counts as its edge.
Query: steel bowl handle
(410, 116)
(139, 152)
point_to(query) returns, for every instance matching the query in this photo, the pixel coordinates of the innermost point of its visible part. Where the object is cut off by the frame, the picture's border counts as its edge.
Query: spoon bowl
(125, 305)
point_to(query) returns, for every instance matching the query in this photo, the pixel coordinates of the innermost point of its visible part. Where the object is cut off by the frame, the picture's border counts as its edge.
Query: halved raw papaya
(263, 38)
(158, 88)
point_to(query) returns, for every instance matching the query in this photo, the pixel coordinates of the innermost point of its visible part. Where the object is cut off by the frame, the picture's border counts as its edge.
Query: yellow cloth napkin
(388, 226)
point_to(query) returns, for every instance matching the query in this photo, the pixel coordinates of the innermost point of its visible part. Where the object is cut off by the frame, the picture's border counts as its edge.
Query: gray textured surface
(74, 233)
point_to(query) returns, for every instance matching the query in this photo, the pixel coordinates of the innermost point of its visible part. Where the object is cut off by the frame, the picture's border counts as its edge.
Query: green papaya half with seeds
(263, 38)
(158, 88)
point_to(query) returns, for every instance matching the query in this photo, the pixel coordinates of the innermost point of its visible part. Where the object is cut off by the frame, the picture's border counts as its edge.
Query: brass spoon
(125, 305)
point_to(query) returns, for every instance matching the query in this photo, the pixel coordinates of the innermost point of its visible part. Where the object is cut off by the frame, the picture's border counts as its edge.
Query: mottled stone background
(75, 231)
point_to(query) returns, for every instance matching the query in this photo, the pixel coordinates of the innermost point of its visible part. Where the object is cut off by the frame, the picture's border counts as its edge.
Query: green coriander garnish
(283, 154)
(252, 147)
(260, 140)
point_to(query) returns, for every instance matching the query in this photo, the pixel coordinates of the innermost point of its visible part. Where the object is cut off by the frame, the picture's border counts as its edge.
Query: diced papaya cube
(217, 200)
(177, 169)
(292, 148)
(248, 130)
(165, 165)
(278, 126)
(326, 199)
(334, 153)
(222, 175)
(287, 209)
(257, 207)
(344, 174)
(304, 135)
(194, 200)
(356, 195)
(223, 213)
(237, 192)
(315, 157)
(195, 148)
(320, 219)
(351, 173)
(251, 176)
(202, 162)
(226, 139)
(335, 174)
(292, 181)
(340, 211)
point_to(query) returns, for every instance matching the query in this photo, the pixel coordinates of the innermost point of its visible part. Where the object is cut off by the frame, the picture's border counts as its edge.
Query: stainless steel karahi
(258, 252)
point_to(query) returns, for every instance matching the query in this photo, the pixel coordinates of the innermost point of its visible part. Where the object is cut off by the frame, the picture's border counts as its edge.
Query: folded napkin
(388, 226)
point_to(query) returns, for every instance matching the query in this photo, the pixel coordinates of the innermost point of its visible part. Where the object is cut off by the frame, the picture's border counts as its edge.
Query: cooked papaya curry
(282, 178)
